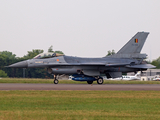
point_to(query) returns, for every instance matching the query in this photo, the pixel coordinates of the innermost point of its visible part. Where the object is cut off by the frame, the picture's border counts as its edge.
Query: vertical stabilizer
(135, 44)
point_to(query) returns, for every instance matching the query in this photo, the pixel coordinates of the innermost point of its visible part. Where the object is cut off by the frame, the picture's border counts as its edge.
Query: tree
(3, 74)
(10, 55)
(50, 49)
(8, 58)
(60, 52)
(33, 53)
(156, 63)
(111, 53)
(3, 60)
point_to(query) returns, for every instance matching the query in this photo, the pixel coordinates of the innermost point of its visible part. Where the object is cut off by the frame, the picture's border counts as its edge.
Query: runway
(116, 87)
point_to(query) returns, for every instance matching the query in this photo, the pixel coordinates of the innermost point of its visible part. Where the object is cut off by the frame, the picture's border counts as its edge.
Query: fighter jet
(127, 59)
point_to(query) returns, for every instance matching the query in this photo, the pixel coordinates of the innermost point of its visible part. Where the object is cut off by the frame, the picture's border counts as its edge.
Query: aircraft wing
(92, 64)
(89, 64)
(62, 64)
(104, 64)
(74, 64)
(116, 64)
(143, 66)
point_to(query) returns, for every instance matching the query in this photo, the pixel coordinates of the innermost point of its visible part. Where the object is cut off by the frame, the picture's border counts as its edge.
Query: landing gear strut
(100, 80)
(55, 79)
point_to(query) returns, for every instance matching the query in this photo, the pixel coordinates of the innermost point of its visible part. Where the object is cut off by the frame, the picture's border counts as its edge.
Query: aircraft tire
(89, 82)
(56, 81)
(100, 81)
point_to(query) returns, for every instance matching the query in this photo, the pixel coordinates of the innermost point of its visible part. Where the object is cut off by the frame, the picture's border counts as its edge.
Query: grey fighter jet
(127, 59)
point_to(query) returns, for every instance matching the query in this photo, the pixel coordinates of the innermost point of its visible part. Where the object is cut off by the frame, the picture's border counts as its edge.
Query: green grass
(50, 81)
(80, 105)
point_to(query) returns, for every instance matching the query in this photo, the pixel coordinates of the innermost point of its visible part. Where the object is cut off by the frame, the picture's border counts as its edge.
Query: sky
(84, 28)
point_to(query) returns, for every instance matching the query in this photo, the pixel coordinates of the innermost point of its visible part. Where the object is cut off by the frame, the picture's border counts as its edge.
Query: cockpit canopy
(47, 55)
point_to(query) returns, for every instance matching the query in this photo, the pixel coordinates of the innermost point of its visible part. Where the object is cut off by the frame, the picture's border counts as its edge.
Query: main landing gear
(100, 80)
(55, 79)
(89, 82)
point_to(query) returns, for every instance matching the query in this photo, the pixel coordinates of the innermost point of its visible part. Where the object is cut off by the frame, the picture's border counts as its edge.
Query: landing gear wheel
(56, 81)
(100, 80)
(89, 82)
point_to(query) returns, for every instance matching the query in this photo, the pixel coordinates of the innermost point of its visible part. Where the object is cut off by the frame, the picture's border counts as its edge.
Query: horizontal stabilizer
(143, 66)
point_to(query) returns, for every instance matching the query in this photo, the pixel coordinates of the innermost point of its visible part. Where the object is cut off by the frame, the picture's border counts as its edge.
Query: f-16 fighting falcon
(127, 59)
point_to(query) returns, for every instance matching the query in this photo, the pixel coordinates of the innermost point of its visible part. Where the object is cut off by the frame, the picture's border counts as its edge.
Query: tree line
(8, 58)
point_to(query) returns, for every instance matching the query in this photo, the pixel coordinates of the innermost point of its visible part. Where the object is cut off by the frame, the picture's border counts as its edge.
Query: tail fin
(135, 44)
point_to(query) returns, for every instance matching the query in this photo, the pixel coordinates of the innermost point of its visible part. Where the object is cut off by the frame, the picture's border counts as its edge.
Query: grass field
(79, 105)
(24, 80)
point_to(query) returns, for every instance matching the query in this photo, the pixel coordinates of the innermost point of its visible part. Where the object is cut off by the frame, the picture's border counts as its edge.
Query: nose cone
(22, 64)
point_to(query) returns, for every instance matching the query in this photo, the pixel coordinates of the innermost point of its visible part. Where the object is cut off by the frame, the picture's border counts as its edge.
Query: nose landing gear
(55, 79)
